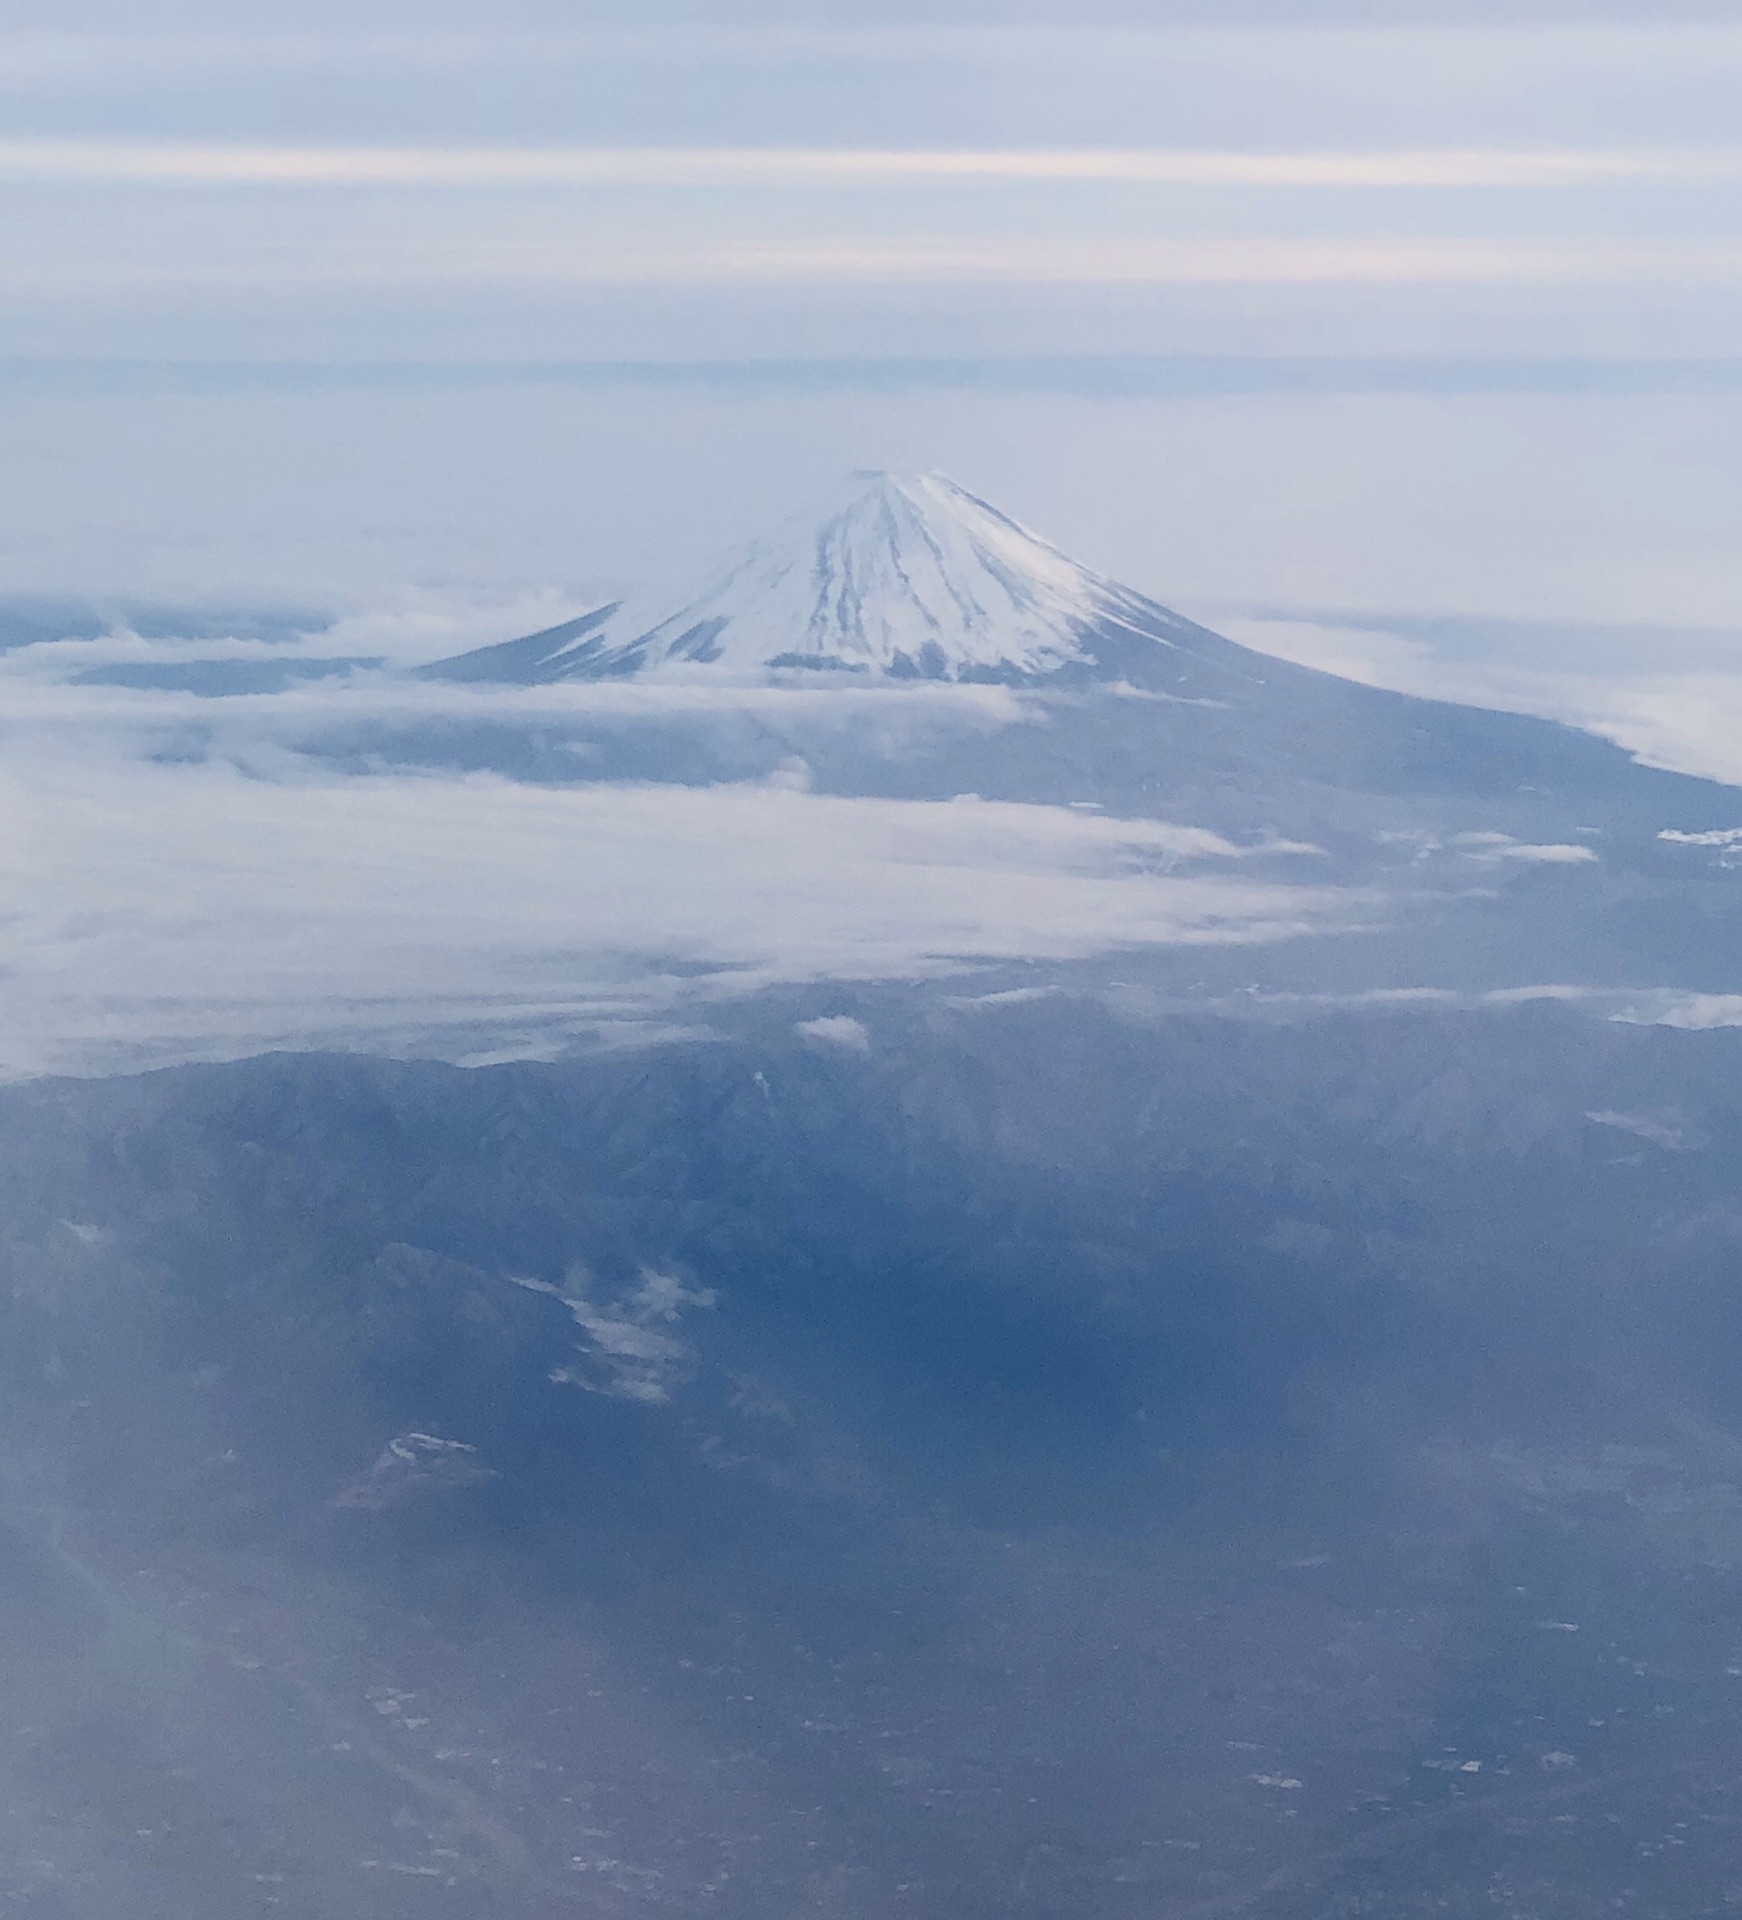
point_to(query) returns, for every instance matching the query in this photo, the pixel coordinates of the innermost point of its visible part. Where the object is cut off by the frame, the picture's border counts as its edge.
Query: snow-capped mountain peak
(906, 577)
(894, 578)
(898, 577)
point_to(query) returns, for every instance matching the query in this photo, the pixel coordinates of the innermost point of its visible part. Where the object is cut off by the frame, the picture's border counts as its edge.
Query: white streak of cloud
(1211, 262)
(219, 163)
(1606, 44)
(1555, 854)
(557, 264)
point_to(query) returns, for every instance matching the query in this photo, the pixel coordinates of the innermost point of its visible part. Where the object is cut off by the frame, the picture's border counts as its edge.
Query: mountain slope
(896, 578)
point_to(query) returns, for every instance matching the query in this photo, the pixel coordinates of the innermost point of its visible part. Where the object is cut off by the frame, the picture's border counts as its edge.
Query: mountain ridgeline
(986, 1463)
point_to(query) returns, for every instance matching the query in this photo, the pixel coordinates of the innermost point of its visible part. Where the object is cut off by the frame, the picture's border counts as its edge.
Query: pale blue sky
(1452, 217)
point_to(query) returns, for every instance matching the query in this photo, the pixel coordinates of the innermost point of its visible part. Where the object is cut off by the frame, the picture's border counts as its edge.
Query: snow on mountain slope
(896, 578)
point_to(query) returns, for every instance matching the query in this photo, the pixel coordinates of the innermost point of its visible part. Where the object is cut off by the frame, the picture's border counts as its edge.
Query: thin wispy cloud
(1701, 33)
(560, 262)
(1212, 262)
(219, 163)
(385, 166)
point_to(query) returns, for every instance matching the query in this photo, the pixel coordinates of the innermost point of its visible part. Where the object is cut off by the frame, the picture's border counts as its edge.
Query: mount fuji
(894, 579)
(907, 640)
(899, 583)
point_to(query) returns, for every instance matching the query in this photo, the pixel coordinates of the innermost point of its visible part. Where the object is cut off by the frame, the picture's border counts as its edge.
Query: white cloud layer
(155, 911)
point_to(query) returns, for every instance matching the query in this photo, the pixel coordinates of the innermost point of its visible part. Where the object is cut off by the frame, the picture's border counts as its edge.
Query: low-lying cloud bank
(153, 911)
(190, 874)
